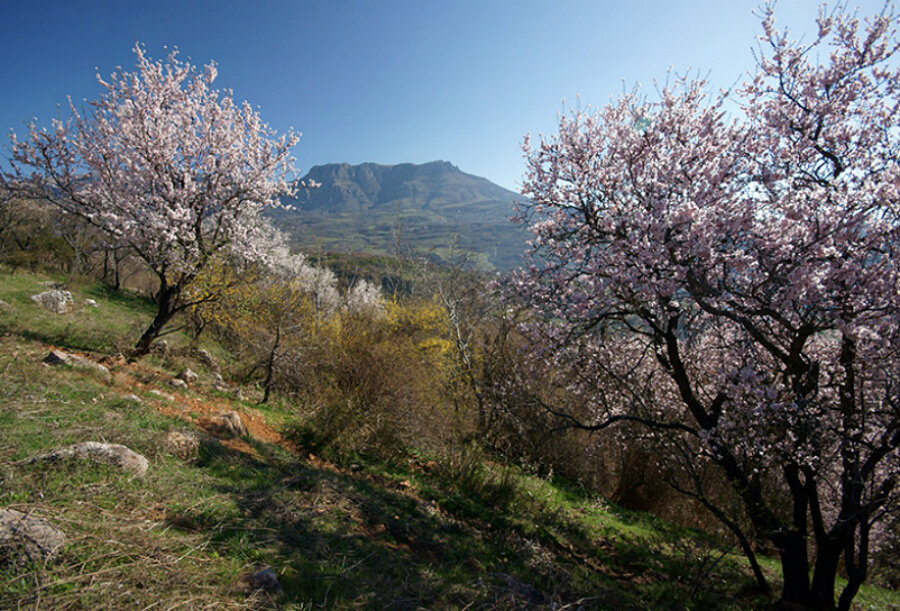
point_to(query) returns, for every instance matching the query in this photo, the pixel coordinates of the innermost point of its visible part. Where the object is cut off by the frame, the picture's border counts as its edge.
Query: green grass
(104, 329)
(435, 532)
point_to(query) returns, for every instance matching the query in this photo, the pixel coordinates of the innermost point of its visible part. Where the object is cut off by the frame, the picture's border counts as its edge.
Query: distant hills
(431, 208)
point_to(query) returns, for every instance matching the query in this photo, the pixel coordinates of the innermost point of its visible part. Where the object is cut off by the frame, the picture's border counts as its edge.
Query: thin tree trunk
(270, 365)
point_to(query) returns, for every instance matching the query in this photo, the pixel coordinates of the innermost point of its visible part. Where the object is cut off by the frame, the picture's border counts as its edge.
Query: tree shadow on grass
(340, 540)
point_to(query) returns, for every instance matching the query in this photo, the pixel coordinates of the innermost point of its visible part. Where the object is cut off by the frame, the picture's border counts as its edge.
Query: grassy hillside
(453, 531)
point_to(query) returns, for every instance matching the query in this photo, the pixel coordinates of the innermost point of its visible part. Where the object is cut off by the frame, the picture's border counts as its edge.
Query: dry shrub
(373, 383)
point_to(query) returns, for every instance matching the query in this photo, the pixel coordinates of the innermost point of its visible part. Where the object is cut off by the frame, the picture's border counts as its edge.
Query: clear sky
(389, 81)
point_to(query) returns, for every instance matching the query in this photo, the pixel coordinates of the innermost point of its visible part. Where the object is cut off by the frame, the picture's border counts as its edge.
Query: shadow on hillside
(339, 539)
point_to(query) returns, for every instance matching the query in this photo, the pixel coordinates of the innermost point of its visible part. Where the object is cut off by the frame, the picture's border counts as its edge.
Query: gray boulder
(112, 454)
(26, 538)
(54, 300)
(58, 357)
(227, 424)
(188, 377)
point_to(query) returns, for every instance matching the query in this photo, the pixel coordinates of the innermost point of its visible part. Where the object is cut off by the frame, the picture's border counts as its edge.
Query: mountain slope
(432, 208)
(426, 530)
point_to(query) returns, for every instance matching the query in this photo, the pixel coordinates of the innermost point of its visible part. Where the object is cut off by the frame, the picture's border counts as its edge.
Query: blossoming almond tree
(165, 165)
(736, 284)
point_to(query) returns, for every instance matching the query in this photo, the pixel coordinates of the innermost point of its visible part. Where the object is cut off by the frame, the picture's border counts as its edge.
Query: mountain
(432, 208)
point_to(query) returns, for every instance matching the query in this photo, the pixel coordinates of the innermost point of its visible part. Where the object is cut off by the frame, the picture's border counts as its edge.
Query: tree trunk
(270, 365)
(827, 557)
(165, 310)
(795, 570)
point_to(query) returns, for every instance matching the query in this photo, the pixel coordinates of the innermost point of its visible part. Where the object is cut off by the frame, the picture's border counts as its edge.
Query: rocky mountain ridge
(432, 208)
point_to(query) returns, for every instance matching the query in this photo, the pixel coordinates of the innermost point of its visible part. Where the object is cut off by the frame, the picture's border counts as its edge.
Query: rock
(160, 347)
(206, 358)
(227, 424)
(111, 454)
(91, 303)
(162, 395)
(26, 538)
(218, 379)
(183, 444)
(55, 300)
(266, 580)
(58, 357)
(133, 397)
(4, 305)
(188, 377)
(177, 383)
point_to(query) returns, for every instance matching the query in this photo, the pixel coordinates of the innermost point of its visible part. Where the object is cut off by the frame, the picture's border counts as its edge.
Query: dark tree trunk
(827, 557)
(166, 301)
(795, 594)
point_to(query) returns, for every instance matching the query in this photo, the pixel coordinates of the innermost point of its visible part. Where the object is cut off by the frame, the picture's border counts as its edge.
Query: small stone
(227, 424)
(133, 397)
(178, 384)
(160, 347)
(162, 395)
(26, 538)
(188, 377)
(183, 444)
(112, 454)
(266, 580)
(218, 379)
(91, 303)
(4, 305)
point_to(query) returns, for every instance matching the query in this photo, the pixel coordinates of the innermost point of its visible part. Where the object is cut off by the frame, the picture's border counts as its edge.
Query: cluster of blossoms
(319, 283)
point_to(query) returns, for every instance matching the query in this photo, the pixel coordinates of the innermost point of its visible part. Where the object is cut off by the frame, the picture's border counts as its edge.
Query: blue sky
(389, 81)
